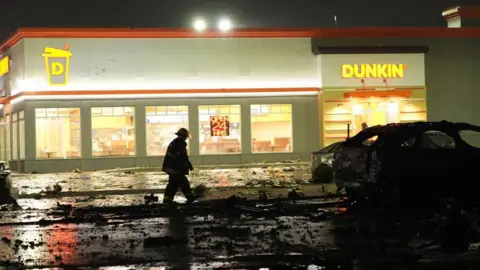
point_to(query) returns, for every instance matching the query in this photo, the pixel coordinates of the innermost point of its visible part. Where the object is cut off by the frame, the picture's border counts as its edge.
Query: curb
(133, 192)
(213, 167)
(199, 167)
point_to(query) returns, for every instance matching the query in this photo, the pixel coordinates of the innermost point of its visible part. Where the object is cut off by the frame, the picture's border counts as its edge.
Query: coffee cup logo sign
(57, 64)
(4, 66)
(379, 71)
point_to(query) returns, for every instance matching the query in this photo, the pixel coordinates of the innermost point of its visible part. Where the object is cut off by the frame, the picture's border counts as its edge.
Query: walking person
(177, 165)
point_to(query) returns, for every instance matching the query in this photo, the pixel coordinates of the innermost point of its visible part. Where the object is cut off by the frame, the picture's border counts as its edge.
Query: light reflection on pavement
(294, 236)
(192, 241)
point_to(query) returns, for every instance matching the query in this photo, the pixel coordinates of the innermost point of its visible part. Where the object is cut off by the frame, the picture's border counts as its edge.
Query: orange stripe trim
(359, 94)
(240, 33)
(391, 89)
(159, 92)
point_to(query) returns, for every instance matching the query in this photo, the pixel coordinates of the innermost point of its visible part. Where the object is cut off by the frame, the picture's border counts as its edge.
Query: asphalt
(308, 233)
(111, 228)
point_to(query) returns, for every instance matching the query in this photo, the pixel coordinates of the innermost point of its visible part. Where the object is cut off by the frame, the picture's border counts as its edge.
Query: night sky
(245, 13)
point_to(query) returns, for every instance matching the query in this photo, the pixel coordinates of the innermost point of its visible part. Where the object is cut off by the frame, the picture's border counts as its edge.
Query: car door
(437, 161)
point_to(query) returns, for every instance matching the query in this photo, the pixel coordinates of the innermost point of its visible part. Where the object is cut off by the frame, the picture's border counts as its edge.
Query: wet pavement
(246, 231)
(286, 175)
(233, 234)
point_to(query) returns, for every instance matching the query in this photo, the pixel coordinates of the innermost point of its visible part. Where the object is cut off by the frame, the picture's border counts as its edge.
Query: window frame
(14, 138)
(21, 137)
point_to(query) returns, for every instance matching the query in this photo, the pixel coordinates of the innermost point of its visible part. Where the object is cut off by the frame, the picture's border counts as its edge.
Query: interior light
(357, 109)
(392, 107)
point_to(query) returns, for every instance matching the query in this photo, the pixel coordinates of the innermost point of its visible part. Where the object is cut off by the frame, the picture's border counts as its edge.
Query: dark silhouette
(6, 196)
(177, 165)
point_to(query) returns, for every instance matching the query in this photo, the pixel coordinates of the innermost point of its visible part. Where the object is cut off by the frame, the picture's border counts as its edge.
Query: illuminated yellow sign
(4, 66)
(363, 71)
(57, 63)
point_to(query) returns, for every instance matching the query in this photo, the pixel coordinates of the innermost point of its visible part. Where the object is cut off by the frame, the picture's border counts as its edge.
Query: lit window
(57, 132)
(271, 128)
(14, 136)
(162, 123)
(4, 139)
(219, 129)
(8, 152)
(113, 131)
(21, 133)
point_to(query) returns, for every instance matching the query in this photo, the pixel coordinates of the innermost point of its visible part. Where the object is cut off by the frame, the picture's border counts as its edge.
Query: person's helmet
(183, 132)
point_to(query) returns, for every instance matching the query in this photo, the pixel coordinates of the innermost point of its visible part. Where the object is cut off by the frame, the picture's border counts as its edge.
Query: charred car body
(409, 161)
(322, 164)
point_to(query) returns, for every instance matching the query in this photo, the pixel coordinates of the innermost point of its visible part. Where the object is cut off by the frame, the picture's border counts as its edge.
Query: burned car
(403, 162)
(321, 164)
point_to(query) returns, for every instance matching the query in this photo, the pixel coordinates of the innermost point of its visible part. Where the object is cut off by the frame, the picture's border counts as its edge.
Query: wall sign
(219, 126)
(4, 66)
(384, 71)
(57, 64)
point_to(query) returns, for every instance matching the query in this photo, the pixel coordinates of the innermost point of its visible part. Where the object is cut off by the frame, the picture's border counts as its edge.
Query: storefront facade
(104, 99)
(451, 61)
(108, 102)
(364, 88)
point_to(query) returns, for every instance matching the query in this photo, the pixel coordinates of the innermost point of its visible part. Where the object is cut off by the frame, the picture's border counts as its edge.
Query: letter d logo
(57, 69)
(57, 63)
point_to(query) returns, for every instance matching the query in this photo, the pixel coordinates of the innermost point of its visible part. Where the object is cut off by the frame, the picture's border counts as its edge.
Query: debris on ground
(262, 195)
(6, 240)
(149, 199)
(200, 190)
(295, 194)
(285, 174)
(57, 188)
(234, 200)
(64, 206)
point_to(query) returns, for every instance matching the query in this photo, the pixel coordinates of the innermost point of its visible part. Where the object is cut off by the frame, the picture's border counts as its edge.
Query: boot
(192, 198)
(167, 200)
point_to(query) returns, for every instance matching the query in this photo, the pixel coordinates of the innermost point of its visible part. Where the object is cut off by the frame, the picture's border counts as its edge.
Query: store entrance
(369, 113)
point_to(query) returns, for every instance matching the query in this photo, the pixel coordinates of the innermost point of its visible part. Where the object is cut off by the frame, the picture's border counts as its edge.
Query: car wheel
(352, 194)
(323, 174)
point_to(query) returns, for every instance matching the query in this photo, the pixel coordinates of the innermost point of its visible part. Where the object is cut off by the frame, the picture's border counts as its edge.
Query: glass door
(368, 113)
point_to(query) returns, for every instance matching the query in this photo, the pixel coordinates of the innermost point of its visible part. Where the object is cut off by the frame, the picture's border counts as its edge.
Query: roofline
(464, 12)
(370, 49)
(404, 32)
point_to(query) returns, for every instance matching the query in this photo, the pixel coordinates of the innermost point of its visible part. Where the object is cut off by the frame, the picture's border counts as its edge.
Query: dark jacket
(176, 159)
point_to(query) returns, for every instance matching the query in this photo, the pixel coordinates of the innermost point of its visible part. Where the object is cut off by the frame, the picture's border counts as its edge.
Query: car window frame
(454, 137)
(471, 129)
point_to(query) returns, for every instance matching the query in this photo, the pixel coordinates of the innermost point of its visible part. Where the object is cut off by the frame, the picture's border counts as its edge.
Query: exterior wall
(11, 81)
(183, 64)
(305, 135)
(451, 74)
(112, 64)
(8, 84)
